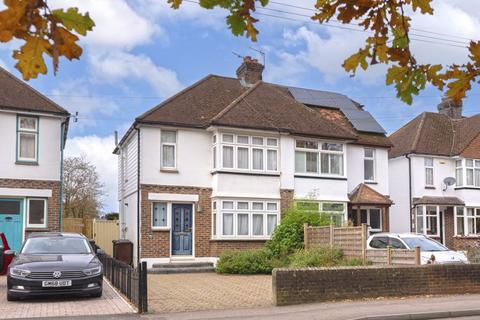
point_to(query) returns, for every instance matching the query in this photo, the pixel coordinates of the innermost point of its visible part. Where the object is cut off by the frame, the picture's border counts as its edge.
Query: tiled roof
(435, 134)
(223, 101)
(17, 95)
(446, 201)
(363, 194)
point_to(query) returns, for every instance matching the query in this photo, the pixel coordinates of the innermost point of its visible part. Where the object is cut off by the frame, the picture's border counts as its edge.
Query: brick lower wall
(53, 205)
(297, 286)
(465, 243)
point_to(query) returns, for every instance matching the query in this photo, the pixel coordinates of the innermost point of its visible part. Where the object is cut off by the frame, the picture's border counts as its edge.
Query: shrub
(319, 257)
(288, 235)
(245, 262)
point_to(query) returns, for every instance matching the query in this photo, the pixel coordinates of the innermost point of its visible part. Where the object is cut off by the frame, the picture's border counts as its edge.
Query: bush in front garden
(318, 257)
(245, 262)
(288, 235)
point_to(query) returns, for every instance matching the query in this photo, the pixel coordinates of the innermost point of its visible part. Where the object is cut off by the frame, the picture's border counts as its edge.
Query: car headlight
(93, 271)
(19, 272)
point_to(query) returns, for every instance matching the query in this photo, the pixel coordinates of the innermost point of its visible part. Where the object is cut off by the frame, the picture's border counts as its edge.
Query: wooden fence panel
(104, 232)
(73, 225)
(88, 228)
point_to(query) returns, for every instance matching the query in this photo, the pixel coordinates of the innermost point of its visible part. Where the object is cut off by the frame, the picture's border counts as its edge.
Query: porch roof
(363, 194)
(443, 201)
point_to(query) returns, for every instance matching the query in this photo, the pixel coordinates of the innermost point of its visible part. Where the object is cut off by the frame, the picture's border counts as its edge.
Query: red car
(4, 259)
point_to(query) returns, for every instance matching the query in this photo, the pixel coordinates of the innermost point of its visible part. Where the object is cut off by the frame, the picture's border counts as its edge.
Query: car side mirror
(100, 251)
(11, 253)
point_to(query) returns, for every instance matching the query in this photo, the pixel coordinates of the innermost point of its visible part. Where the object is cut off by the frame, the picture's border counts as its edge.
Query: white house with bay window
(216, 166)
(33, 131)
(435, 176)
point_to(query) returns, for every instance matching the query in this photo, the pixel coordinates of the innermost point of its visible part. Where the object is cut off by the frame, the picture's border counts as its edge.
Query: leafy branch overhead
(44, 32)
(388, 43)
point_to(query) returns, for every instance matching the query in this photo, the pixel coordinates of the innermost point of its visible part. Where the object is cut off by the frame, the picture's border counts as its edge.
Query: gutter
(410, 189)
(138, 193)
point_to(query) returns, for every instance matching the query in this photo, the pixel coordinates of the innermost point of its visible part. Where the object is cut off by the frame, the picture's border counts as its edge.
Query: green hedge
(245, 262)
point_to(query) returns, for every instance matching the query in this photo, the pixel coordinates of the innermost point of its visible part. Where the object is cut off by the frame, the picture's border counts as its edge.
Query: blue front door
(182, 229)
(11, 222)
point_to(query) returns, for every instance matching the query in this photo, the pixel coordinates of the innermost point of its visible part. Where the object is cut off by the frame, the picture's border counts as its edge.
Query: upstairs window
(169, 149)
(369, 164)
(428, 161)
(247, 153)
(319, 158)
(467, 172)
(27, 139)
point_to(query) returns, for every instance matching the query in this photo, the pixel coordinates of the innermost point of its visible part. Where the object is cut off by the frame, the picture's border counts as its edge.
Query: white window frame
(45, 212)
(373, 160)
(35, 132)
(319, 152)
(217, 224)
(370, 229)
(459, 173)
(169, 213)
(169, 144)
(424, 219)
(429, 167)
(461, 165)
(466, 218)
(219, 144)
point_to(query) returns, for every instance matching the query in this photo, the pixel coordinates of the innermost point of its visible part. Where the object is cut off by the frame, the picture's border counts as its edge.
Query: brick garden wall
(53, 222)
(465, 243)
(297, 286)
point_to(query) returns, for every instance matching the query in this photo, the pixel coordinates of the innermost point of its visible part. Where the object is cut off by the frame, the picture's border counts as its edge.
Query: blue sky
(141, 52)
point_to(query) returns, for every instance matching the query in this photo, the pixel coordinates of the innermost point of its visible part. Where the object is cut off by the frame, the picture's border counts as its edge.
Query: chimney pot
(450, 108)
(250, 71)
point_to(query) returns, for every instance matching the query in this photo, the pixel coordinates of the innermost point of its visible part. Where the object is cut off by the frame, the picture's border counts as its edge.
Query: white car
(428, 247)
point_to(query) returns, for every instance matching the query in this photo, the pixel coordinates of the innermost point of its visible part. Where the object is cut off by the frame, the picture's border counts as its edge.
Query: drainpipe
(62, 147)
(138, 194)
(410, 189)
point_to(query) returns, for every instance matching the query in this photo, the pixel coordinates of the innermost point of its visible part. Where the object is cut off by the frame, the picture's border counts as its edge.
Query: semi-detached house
(435, 176)
(214, 167)
(33, 130)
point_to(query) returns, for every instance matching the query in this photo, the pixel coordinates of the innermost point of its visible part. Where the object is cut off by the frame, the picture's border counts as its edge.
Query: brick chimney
(250, 71)
(450, 108)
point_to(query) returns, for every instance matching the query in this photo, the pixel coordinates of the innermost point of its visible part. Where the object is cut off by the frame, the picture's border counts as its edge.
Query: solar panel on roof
(360, 119)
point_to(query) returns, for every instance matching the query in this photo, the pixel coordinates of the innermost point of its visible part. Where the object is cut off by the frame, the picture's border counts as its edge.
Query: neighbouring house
(435, 176)
(214, 167)
(33, 130)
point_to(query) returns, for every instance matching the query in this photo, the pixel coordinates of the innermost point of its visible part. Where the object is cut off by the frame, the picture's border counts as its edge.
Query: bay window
(247, 153)
(312, 157)
(467, 221)
(168, 149)
(244, 219)
(467, 172)
(27, 139)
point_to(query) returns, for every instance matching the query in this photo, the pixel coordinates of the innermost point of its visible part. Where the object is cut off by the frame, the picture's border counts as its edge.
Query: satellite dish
(449, 181)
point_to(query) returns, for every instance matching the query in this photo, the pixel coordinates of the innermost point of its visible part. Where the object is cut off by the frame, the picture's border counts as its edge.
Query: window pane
(312, 162)
(227, 157)
(325, 164)
(227, 138)
(458, 163)
(9, 207)
(169, 136)
(214, 139)
(242, 224)
(214, 157)
(419, 219)
(363, 216)
(471, 225)
(332, 146)
(27, 145)
(242, 158)
(337, 219)
(428, 162)
(214, 224)
(368, 170)
(375, 220)
(258, 224)
(28, 123)
(336, 164)
(272, 160)
(368, 152)
(469, 162)
(272, 142)
(271, 223)
(429, 176)
(459, 177)
(308, 206)
(460, 225)
(307, 144)
(242, 205)
(328, 206)
(227, 204)
(257, 141)
(242, 139)
(477, 177)
(257, 159)
(257, 206)
(228, 224)
(36, 211)
(271, 206)
(300, 161)
(477, 226)
(460, 211)
(159, 214)
(470, 177)
(168, 156)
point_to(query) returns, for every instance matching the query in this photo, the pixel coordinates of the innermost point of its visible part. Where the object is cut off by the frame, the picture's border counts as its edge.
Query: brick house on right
(434, 174)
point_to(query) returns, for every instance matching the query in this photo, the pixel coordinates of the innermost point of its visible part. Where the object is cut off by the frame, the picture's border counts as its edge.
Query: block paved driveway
(109, 303)
(207, 291)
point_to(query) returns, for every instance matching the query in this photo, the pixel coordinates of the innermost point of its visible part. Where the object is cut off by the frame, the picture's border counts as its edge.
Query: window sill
(319, 177)
(165, 170)
(370, 182)
(160, 228)
(32, 228)
(430, 187)
(467, 188)
(474, 236)
(248, 173)
(241, 239)
(27, 163)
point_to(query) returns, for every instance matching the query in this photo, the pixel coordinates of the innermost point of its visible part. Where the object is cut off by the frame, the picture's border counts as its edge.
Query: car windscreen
(425, 244)
(56, 245)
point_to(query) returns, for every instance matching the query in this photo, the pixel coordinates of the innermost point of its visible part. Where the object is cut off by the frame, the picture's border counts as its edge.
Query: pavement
(111, 303)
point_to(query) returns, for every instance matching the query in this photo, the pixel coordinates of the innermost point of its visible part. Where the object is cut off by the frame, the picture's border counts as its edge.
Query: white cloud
(98, 151)
(118, 66)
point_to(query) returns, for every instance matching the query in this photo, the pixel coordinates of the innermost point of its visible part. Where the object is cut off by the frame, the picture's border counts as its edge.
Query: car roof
(55, 235)
(399, 235)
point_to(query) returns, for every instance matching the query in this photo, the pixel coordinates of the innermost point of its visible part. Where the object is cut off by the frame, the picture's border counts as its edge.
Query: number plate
(57, 283)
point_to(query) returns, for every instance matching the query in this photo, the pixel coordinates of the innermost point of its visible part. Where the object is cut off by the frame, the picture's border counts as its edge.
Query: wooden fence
(79, 225)
(353, 242)
(104, 232)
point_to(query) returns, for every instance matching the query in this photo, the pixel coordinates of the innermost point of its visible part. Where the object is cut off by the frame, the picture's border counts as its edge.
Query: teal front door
(11, 221)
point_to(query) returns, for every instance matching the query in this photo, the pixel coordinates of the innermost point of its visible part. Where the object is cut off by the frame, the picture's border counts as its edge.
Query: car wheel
(10, 297)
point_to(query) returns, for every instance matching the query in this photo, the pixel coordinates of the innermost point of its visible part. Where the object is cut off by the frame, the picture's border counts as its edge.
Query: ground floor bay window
(467, 221)
(243, 219)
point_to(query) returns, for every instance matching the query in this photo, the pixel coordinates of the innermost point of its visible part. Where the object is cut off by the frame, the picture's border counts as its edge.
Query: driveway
(109, 303)
(207, 291)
